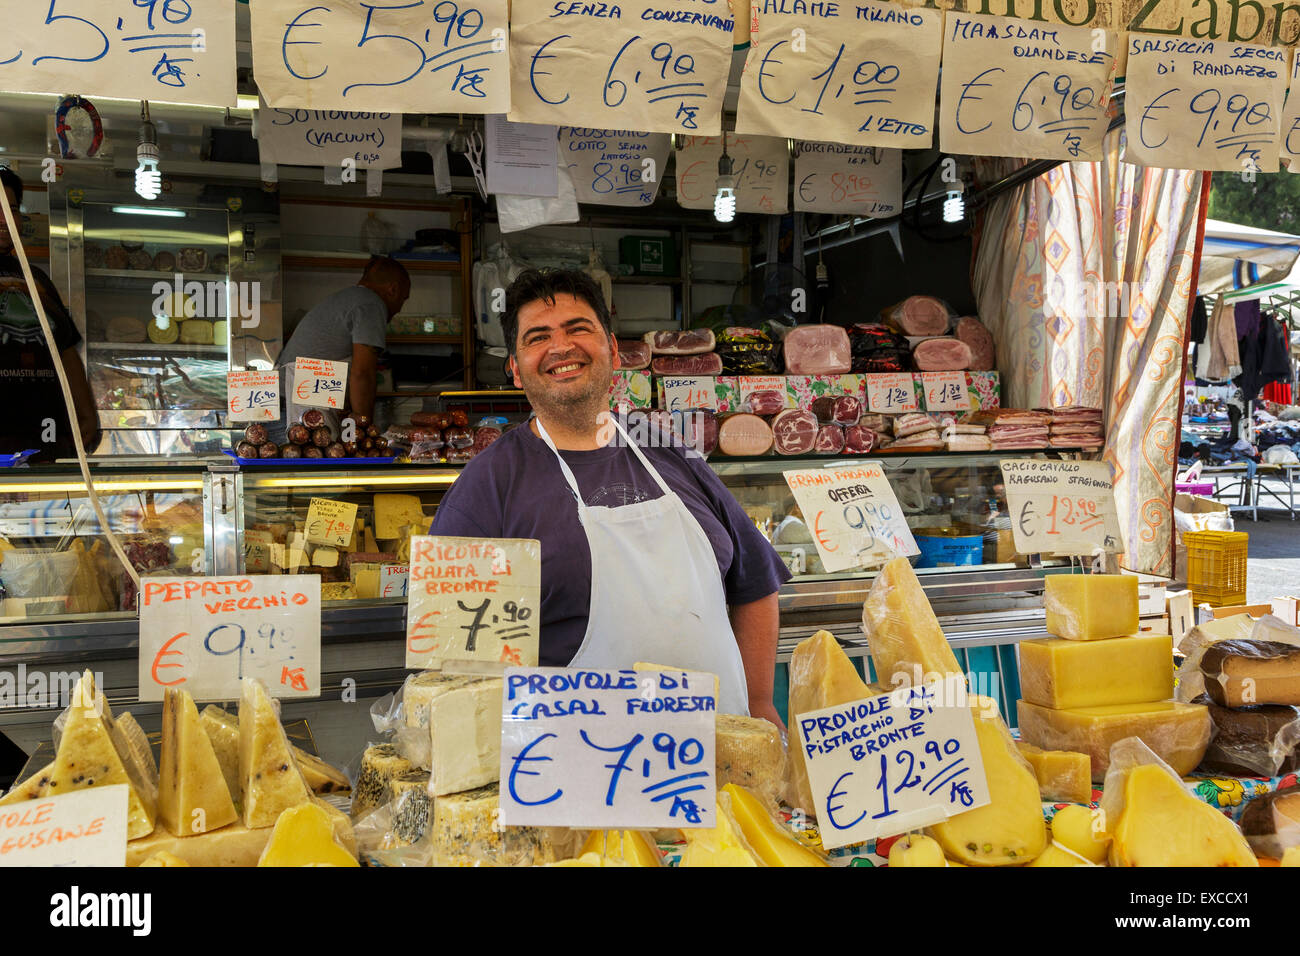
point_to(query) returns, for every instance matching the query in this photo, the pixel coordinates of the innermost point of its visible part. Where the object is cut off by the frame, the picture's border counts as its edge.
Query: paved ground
(1273, 565)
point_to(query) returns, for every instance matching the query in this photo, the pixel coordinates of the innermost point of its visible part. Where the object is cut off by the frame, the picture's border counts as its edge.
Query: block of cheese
(422, 688)
(748, 753)
(320, 776)
(907, 644)
(821, 675)
(163, 330)
(304, 836)
(1090, 607)
(192, 793)
(380, 764)
(644, 666)
(1291, 857)
(1261, 741)
(394, 513)
(222, 728)
(465, 730)
(232, 845)
(466, 831)
(137, 744)
(163, 858)
(1009, 829)
(720, 845)
(338, 591)
(364, 580)
(220, 333)
(1063, 775)
(196, 332)
(773, 843)
(1162, 824)
(1125, 670)
(1271, 822)
(409, 806)
(1177, 732)
(87, 757)
(1244, 673)
(29, 789)
(269, 776)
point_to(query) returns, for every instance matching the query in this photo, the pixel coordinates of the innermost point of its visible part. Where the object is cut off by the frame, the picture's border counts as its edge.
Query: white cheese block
(422, 688)
(465, 727)
(393, 513)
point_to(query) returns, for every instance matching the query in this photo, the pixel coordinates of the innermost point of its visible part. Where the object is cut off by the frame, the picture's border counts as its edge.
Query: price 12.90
(1058, 515)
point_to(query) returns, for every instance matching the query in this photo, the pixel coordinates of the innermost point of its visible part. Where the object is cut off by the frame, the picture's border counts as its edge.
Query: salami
(633, 355)
(689, 342)
(706, 364)
(919, 315)
(980, 341)
(839, 409)
(485, 436)
(877, 348)
(766, 401)
(458, 436)
(858, 440)
(941, 355)
(829, 440)
(794, 431)
(817, 350)
(743, 434)
(746, 351)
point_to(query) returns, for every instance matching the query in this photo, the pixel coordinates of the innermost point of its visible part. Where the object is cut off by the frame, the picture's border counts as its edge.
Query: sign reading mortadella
(654, 65)
(1019, 88)
(441, 56)
(1203, 104)
(862, 73)
(858, 180)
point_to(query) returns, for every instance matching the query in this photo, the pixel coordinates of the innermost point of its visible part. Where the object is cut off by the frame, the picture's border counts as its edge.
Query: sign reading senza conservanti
(601, 748)
(854, 518)
(473, 599)
(893, 763)
(205, 635)
(1061, 507)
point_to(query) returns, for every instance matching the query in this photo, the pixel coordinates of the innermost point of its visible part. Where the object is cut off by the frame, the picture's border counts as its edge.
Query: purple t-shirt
(515, 489)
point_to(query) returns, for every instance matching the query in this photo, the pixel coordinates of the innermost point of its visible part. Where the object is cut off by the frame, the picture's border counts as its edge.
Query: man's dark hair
(9, 179)
(533, 284)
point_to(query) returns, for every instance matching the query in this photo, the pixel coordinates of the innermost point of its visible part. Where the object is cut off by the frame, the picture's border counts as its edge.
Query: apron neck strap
(568, 473)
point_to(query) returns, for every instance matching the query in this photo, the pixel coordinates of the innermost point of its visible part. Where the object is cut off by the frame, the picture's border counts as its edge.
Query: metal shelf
(150, 348)
(339, 260)
(150, 274)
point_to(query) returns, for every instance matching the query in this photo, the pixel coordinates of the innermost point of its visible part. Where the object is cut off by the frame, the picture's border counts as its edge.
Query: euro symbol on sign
(821, 535)
(1026, 513)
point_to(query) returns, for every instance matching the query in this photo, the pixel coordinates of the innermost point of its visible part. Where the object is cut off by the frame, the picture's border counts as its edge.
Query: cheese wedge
(907, 645)
(1062, 774)
(320, 776)
(395, 512)
(465, 731)
(192, 793)
(621, 848)
(137, 743)
(303, 836)
(1164, 825)
(420, 690)
(222, 728)
(466, 831)
(775, 845)
(721, 845)
(748, 752)
(32, 788)
(232, 845)
(269, 776)
(88, 758)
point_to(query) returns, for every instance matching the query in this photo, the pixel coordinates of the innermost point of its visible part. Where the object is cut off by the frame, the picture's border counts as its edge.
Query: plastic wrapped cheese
(304, 836)
(192, 793)
(232, 845)
(1249, 672)
(1064, 775)
(1261, 741)
(409, 806)
(466, 831)
(380, 764)
(1271, 822)
(420, 689)
(907, 645)
(749, 753)
(465, 731)
(1060, 673)
(1177, 732)
(1090, 607)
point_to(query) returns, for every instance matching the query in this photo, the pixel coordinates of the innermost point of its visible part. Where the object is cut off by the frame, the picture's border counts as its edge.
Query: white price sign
(205, 635)
(252, 395)
(330, 522)
(901, 761)
(891, 393)
(302, 137)
(688, 392)
(1061, 507)
(945, 391)
(854, 518)
(320, 384)
(82, 828)
(614, 167)
(608, 748)
(473, 599)
(859, 180)
(393, 580)
(760, 164)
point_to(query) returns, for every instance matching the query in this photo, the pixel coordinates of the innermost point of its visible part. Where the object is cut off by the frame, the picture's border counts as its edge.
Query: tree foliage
(1272, 201)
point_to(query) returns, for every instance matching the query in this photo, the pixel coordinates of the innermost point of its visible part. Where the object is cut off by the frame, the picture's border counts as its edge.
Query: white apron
(656, 594)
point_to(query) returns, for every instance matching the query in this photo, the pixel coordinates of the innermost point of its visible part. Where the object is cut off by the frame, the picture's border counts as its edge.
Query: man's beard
(574, 410)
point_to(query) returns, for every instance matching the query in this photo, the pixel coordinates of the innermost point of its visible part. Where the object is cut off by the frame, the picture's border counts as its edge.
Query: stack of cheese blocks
(452, 803)
(1099, 681)
(219, 791)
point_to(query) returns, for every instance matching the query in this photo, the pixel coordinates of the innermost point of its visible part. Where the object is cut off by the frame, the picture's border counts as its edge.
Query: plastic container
(1216, 566)
(949, 547)
(1204, 488)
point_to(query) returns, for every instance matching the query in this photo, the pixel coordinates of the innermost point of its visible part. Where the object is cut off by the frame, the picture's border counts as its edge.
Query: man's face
(6, 241)
(563, 357)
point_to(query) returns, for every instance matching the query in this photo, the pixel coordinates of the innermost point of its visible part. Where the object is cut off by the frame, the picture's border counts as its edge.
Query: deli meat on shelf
(858, 440)
(911, 424)
(743, 435)
(966, 442)
(689, 342)
(794, 431)
(633, 355)
(980, 341)
(817, 350)
(878, 348)
(919, 315)
(926, 439)
(766, 401)
(1011, 416)
(839, 410)
(708, 363)
(880, 424)
(829, 440)
(941, 355)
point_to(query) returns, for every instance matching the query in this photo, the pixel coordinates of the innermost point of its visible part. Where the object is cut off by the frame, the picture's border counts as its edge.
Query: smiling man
(646, 556)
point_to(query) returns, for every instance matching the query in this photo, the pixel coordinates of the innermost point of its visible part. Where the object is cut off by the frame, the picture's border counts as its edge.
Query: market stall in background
(828, 270)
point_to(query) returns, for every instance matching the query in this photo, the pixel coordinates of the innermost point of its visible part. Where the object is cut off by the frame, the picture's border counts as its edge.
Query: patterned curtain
(1084, 276)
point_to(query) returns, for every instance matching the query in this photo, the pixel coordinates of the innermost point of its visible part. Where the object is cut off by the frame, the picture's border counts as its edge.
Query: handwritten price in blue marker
(1234, 125)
